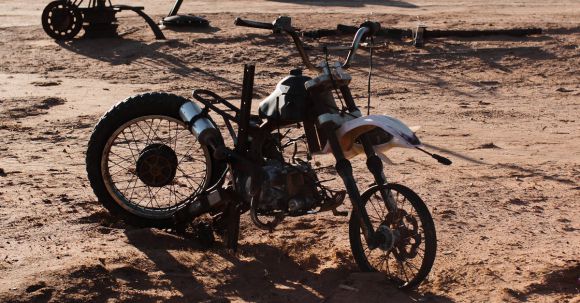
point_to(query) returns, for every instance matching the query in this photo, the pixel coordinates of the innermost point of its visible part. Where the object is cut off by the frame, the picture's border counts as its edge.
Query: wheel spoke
(118, 156)
(376, 211)
(411, 263)
(124, 151)
(151, 196)
(116, 172)
(187, 178)
(157, 137)
(409, 252)
(135, 141)
(186, 153)
(401, 269)
(117, 164)
(143, 132)
(129, 145)
(133, 189)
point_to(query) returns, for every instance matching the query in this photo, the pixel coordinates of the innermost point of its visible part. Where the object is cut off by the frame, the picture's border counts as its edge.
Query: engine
(287, 188)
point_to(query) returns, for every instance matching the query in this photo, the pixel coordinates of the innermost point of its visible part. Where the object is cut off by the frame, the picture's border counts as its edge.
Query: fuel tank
(289, 101)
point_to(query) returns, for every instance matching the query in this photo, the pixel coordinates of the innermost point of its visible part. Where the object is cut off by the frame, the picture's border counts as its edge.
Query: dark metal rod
(348, 99)
(175, 8)
(397, 33)
(375, 166)
(245, 108)
(156, 30)
(344, 169)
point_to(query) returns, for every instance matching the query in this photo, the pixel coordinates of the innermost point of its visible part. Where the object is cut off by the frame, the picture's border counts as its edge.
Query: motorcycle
(159, 160)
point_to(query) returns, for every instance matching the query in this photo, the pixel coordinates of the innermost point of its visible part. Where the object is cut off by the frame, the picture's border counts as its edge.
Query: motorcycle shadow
(164, 60)
(259, 272)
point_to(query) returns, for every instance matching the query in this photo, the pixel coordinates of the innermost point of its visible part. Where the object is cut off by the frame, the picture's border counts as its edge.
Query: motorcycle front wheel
(143, 163)
(408, 262)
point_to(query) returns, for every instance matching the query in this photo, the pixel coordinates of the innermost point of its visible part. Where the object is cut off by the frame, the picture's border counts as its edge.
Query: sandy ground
(506, 110)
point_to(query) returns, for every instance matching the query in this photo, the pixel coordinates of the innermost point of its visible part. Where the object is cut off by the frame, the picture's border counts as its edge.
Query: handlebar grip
(254, 24)
(374, 27)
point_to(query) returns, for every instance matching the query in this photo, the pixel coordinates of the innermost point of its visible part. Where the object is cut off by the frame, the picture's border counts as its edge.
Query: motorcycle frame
(242, 158)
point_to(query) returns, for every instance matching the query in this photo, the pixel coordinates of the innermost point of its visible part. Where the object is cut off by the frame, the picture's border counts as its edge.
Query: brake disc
(409, 238)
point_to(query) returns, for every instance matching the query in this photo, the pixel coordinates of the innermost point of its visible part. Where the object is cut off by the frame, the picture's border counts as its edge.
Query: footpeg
(339, 213)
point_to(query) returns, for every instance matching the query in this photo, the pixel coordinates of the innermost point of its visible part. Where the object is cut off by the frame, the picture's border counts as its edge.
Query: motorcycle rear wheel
(143, 163)
(410, 259)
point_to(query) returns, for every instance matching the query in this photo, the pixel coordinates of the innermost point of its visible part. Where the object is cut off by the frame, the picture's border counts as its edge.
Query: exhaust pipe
(202, 204)
(199, 124)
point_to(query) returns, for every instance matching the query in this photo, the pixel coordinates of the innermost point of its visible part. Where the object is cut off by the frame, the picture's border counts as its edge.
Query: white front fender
(402, 135)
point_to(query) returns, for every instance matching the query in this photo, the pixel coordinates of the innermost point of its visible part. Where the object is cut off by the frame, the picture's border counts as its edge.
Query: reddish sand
(506, 110)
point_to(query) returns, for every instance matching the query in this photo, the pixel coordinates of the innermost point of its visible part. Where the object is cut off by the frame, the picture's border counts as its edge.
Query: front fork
(344, 169)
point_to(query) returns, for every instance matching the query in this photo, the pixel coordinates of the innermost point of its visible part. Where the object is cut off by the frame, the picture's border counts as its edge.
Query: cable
(343, 110)
(370, 75)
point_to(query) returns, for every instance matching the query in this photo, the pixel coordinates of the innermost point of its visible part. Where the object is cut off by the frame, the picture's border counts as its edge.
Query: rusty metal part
(421, 34)
(62, 19)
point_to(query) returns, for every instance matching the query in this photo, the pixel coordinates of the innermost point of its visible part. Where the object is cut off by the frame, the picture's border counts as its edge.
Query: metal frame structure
(175, 20)
(61, 19)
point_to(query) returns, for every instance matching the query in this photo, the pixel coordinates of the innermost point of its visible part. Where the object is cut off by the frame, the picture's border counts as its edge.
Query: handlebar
(283, 24)
(360, 33)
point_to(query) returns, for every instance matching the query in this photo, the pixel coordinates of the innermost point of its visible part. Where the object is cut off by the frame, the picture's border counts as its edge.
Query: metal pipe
(355, 44)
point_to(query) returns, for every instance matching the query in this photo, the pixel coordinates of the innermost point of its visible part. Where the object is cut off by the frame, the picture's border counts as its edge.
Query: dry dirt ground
(506, 110)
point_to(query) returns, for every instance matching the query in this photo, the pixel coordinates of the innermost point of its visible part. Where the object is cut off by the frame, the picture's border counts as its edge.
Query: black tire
(110, 127)
(62, 20)
(428, 238)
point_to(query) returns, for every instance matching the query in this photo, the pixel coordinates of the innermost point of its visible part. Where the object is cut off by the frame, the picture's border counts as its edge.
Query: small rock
(517, 201)
(488, 146)
(564, 90)
(65, 199)
(2, 173)
(35, 287)
(104, 230)
(513, 293)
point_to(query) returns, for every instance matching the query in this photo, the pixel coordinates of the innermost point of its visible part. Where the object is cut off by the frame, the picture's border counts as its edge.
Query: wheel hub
(157, 165)
(62, 19)
(387, 237)
(408, 240)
